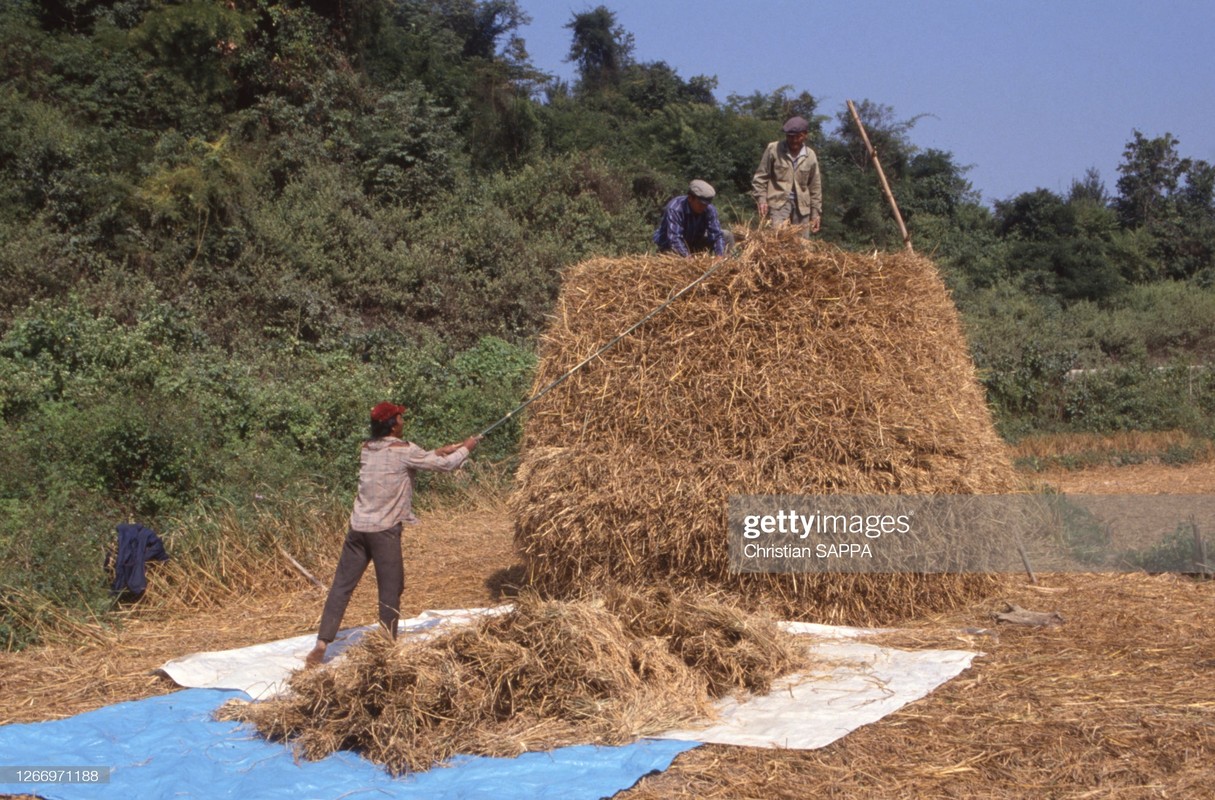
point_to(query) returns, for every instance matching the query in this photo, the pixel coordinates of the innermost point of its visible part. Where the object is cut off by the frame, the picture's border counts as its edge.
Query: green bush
(479, 386)
(1173, 553)
(1139, 398)
(153, 417)
(1095, 368)
(52, 556)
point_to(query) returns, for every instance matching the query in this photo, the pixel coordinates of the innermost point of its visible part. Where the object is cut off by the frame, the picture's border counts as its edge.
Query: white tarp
(857, 684)
(261, 670)
(860, 684)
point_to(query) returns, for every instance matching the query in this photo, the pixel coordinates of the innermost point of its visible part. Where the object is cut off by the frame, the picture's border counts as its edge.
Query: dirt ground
(1196, 478)
(1118, 701)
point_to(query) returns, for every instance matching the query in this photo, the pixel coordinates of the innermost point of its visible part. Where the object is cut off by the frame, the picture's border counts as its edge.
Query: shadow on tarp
(169, 746)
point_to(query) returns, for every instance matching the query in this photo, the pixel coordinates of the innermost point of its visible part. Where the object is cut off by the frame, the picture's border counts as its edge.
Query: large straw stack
(797, 368)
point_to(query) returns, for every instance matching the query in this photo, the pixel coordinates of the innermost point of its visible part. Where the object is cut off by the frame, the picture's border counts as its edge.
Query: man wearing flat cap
(787, 185)
(388, 467)
(689, 224)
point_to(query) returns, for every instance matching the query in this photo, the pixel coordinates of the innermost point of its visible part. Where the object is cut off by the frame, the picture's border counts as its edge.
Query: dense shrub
(105, 420)
(1175, 552)
(1137, 364)
(1140, 397)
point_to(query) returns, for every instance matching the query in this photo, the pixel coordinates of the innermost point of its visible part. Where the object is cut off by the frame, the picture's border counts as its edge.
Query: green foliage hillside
(228, 227)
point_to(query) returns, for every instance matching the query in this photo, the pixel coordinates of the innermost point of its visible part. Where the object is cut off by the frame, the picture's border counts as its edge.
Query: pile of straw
(545, 674)
(1115, 703)
(797, 368)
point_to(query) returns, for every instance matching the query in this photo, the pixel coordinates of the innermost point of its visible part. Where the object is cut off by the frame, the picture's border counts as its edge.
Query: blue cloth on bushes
(136, 544)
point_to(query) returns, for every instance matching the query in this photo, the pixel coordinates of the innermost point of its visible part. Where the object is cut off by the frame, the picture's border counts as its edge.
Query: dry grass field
(1118, 701)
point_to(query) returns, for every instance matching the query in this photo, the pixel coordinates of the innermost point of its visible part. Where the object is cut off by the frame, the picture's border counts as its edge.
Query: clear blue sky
(1029, 93)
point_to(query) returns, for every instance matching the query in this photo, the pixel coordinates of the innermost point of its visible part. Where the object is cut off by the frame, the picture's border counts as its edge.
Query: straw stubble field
(1117, 702)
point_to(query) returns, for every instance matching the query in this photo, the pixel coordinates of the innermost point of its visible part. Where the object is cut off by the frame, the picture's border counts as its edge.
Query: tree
(482, 25)
(1172, 200)
(889, 136)
(1198, 195)
(1196, 204)
(71, 15)
(601, 48)
(408, 151)
(936, 185)
(656, 85)
(191, 41)
(504, 119)
(1060, 247)
(1090, 188)
(779, 105)
(1151, 171)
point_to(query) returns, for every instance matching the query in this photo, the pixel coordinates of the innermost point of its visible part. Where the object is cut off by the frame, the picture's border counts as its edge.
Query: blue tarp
(169, 746)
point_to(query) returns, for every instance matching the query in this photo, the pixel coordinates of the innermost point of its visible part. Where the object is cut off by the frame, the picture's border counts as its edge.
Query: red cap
(386, 411)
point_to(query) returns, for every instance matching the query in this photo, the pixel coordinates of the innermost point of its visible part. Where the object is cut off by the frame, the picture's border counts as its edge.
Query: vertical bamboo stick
(1201, 565)
(898, 217)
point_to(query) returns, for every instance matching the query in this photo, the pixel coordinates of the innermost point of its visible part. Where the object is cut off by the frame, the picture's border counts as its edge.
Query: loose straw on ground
(542, 675)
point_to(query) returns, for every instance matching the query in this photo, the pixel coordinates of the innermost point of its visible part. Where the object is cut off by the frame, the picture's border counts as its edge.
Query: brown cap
(796, 125)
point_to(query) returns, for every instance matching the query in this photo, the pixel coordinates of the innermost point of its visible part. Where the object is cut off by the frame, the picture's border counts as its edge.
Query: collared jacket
(387, 470)
(683, 231)
(776, 179)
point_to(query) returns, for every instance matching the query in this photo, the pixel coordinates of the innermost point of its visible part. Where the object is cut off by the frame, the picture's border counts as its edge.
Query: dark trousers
(706, 246)
(382, 548)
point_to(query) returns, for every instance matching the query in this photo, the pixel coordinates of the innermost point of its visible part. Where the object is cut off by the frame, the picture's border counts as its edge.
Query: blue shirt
(682, 230)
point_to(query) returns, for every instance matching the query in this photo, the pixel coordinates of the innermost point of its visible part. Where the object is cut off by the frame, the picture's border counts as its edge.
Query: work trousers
(788, 214)
(382, 548)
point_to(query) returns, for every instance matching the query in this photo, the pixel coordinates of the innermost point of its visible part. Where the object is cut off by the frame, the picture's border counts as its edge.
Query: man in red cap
(787, 185)
(387, 469)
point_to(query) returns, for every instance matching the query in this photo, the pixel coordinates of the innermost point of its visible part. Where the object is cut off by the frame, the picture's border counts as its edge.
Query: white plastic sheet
(859, 684)
(856, 684)
(262, 670)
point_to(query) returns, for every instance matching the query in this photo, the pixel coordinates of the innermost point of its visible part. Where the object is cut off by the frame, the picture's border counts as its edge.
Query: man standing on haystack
(387, 469)
(690, 225)
(787, 185)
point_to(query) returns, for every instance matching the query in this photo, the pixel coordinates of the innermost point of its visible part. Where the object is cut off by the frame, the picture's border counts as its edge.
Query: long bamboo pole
(898, 217)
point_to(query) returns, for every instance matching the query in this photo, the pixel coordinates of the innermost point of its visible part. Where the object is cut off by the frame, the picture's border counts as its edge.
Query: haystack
(797, 368)
(542, 675)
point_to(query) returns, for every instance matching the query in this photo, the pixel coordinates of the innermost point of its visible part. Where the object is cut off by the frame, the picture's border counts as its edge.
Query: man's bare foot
(317, 655)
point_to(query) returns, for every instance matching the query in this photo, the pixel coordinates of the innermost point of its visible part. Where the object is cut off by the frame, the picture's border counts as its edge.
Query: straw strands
(542, 675)
(797, 368)
(1117, 702)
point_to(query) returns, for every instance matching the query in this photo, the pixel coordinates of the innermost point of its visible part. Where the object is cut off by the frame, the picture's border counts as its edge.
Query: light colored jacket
(775, 179)
(387, 469)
